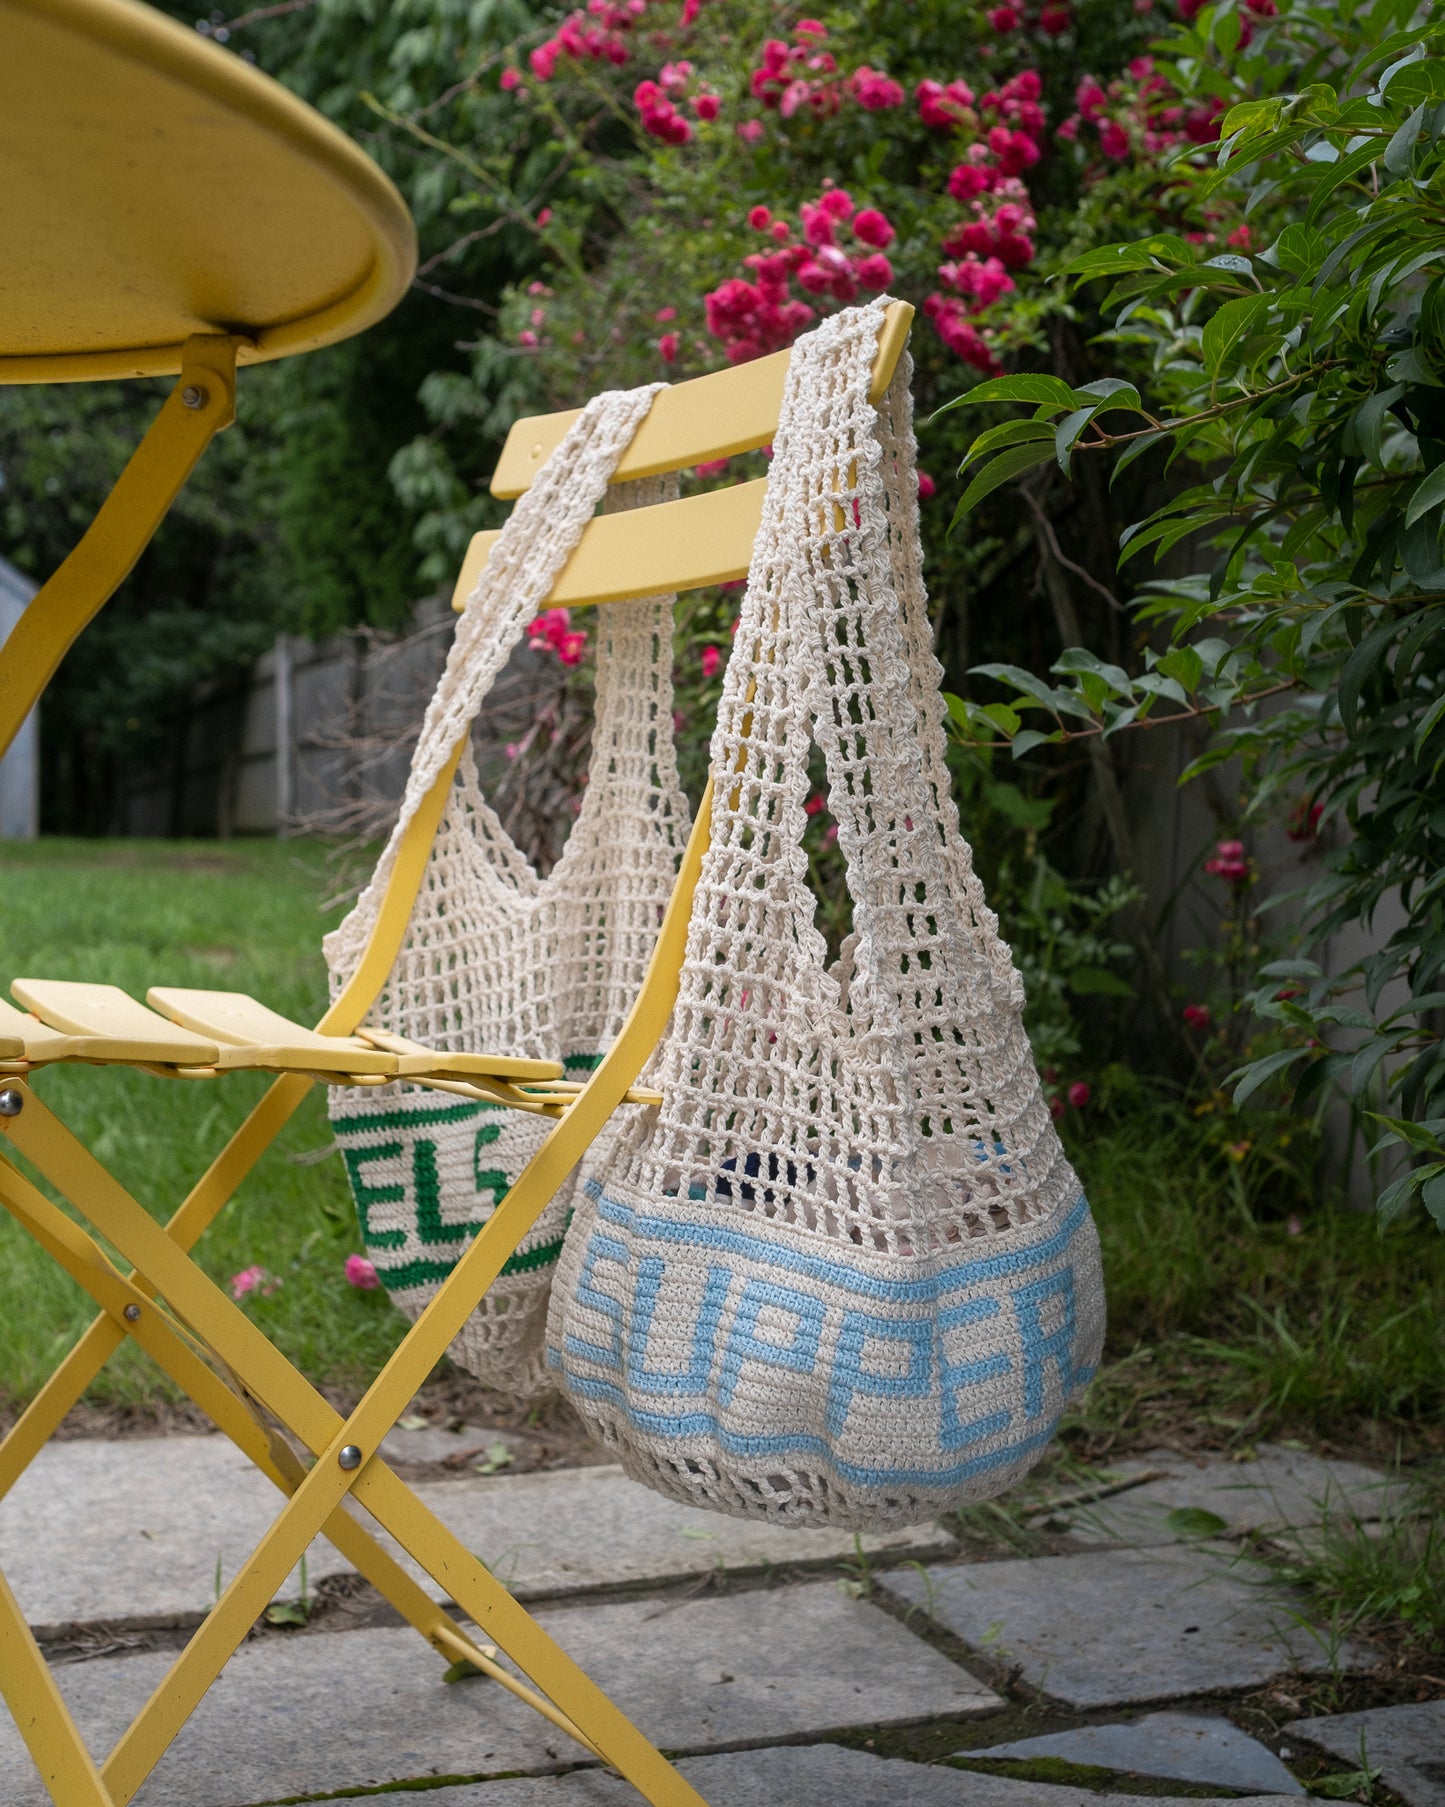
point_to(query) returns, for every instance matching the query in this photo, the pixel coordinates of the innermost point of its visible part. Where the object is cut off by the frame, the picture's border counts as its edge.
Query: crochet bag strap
(536, 541)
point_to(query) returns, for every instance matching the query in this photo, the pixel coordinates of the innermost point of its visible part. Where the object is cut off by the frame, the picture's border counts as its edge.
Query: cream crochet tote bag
(843, 1275)
(496, 958)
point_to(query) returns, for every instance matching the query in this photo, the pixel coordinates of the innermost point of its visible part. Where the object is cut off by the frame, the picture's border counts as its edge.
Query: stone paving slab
(1282, 1490)
(134, 1530)
(1182, 1747)
(815, 1775)
(1407, 1744)
(1112, 1627)
(338, 1711)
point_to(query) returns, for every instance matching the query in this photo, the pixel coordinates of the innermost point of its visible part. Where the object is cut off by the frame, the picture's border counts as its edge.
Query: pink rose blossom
(714, 467)
(927, 488)
(1079, 1094)
(361, 1274)
(667, 347)
(1197, 1016)
(511, 78)
(253, 1280)
(665, 314)
(711, 659)
(874, 91)
(873, 228)
(760, 218)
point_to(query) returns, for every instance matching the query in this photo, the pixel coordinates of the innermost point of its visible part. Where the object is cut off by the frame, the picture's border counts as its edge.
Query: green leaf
(1098, 982)
(1414, 1135)
(1226, 329)
(1252, 1077)
(1398, 151)
(1370, 417)
(1012, 463)
(1028, 738)
(1049, 391)
(1195, 1522)
(1006, 720)
(462, 1671)
(1349, 1782)
(1357, 669)
(1067, 431)
(1339, 173)
(1008, 432)
(1184, 664)
(1429, 493)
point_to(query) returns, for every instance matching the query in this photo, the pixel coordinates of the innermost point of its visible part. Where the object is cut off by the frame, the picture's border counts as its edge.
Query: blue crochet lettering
(694, 1378)
(850, 1377)
(800, 1353)
(1042, 1347)
(601, 1248)
(953, 1431)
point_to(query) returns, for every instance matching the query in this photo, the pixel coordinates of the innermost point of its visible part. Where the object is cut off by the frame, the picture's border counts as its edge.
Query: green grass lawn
(240, 915)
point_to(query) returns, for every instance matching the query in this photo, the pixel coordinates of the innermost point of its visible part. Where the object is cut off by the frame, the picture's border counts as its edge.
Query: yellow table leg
(202, 402)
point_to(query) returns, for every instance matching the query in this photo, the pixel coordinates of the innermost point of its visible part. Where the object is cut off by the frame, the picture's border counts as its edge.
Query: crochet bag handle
(536, 541)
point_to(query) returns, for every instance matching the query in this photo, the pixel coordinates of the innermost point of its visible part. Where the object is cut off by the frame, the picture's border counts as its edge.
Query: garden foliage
(1301, 374)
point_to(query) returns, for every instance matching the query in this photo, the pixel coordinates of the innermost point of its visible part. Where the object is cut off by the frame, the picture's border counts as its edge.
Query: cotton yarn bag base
(843, 1275)
(497, 959)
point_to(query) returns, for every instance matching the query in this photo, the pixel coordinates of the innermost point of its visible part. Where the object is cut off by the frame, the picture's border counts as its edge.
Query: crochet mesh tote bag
(843, 1275)
(497, 959)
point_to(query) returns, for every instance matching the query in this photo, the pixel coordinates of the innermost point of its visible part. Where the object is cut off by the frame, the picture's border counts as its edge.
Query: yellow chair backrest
(682, 545)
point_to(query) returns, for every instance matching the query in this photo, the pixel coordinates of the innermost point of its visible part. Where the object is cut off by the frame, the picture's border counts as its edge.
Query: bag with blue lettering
(843, 1275)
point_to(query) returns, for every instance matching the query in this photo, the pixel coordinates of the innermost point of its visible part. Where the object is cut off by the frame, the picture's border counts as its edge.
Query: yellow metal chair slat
(107, 1014)
(201, 1338)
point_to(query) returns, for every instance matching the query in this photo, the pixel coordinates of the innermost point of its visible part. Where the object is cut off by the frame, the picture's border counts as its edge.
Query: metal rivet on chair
(350, 1456)
(194, 396)
(131, 1314)
(11, 1102)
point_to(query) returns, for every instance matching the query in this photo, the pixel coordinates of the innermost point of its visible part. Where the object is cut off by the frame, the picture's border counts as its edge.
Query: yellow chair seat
(223, 1030)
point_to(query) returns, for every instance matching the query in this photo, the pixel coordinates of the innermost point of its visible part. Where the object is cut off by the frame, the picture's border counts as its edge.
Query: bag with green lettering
(497, 959)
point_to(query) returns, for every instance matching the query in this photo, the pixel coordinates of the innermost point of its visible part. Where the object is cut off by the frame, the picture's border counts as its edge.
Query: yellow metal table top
(155, 186)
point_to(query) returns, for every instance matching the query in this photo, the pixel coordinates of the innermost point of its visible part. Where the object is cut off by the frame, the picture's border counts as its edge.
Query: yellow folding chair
(201, 1338)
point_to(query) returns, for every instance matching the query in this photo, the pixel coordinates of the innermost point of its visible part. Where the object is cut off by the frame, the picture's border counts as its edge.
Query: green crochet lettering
(427, 1184)
(423, 1119)
(581, 1063)
(488, 1179)
(431, 1273)
(366, 1196)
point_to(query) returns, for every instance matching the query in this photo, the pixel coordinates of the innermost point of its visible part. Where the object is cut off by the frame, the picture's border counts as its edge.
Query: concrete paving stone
(135, 1529)
(1182, 1747)
(332, 1712)
(1407, 1745)
(1110, 1627)
(811, 1775)
(1281, 1491)
(425, 1442)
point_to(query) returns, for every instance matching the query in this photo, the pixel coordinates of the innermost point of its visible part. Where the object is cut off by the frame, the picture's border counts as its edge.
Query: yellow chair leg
(35, 1426)
(133, 1314)
(51, 1736)
(202, 402)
